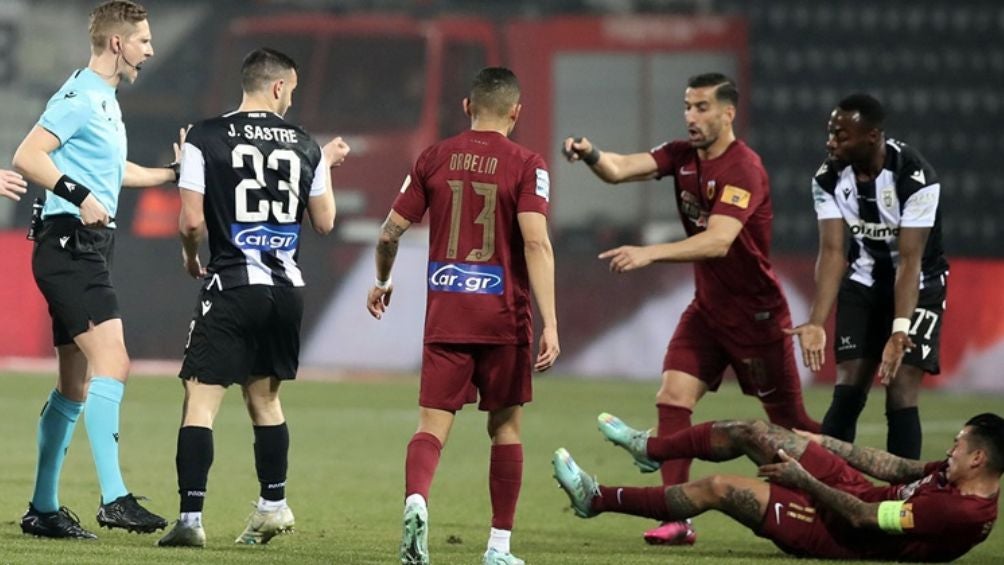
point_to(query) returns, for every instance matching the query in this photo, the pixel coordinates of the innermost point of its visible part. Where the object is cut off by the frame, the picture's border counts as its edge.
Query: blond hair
(114, 17)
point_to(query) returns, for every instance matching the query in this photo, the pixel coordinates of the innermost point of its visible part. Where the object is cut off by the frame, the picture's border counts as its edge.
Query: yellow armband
(890, 516)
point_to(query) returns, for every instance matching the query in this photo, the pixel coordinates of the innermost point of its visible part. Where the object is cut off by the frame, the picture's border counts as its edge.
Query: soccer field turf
(346, 475)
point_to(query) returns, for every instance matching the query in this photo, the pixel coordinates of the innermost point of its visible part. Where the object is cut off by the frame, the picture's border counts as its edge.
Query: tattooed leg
(757, 440)
(742, 498)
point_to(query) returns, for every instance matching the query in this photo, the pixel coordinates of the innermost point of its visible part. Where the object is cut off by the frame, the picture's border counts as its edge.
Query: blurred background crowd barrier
(389, 75)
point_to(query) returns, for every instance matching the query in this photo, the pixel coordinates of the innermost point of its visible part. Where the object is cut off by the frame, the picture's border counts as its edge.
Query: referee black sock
(195, 456)
(271, 459)
(841, 420)
(904, 438)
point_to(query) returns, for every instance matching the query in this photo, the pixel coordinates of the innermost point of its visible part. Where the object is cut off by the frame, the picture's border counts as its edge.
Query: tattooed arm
(875, 462)
(386, 251)
(790, 473)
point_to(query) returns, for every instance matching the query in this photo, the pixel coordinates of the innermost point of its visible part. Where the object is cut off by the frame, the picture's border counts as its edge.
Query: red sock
(505, 477)
(791, 414)
(647, 502)
(420, 465)
(691, 443)
(673, 419)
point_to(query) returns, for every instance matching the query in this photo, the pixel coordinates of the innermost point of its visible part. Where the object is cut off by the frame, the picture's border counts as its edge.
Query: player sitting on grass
(818, 501)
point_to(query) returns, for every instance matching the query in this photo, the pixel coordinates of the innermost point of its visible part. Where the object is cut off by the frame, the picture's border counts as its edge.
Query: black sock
(271, 459)
(195, 456)
(904, 438)
(841, 420)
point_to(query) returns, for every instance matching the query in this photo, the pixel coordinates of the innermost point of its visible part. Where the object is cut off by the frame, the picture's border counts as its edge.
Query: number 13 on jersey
(486, 219)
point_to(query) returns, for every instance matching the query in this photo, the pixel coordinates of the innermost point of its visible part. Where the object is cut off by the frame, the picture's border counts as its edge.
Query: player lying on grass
(818, 501)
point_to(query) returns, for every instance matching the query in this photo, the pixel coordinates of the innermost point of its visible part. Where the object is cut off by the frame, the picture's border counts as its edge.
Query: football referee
(77, 151)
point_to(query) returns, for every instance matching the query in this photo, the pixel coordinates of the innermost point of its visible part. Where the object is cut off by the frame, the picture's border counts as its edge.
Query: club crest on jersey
(265, 237)
(887, 195)
(466, 278)
(711, 190)
(692, 209)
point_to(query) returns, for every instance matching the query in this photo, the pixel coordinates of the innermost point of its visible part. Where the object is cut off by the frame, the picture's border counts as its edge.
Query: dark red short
(457, 374)
(767, 371)
(792, 521)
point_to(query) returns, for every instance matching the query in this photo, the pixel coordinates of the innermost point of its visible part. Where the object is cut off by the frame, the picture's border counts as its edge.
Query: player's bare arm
(609, 166)
(911, 249)
(191, 229)
(321, 209)
(874, 462)
(789, 472)
(12, 185)
(540, 267)
(138, 176)
(33, 162)
(391, 231)
(712, 243)
(830, 266)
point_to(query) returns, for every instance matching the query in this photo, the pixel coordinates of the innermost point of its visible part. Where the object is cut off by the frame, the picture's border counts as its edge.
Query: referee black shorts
(242, 332)
(72, 267)
(864, 322)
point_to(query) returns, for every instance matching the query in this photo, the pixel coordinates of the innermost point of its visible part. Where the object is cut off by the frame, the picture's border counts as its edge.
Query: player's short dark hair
(986, 432)
(111, 18)
(867, 106)
(725, 91)
(494, 89)
(263, 66)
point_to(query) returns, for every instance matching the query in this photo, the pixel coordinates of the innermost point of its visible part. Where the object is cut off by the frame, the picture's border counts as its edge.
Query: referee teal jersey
(85, 115)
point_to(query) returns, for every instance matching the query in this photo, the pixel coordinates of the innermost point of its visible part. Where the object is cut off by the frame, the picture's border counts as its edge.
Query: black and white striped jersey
(257, 172)
(904, 195)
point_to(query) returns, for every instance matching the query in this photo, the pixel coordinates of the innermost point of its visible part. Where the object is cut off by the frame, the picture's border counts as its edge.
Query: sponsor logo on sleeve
(466, 278)
(406, 183)
(265, 237)
(543, 185)
(736, 196)
(919, 177)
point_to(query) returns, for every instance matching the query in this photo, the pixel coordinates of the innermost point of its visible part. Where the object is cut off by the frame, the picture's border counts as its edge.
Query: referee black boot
(126, 512)
(60, 524)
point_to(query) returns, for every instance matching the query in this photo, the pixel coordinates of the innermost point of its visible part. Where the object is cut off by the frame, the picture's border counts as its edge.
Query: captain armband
(890, 516)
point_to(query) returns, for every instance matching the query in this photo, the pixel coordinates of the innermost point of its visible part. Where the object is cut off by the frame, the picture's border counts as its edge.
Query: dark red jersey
(474, 185)
(740, 288)
(939, 522)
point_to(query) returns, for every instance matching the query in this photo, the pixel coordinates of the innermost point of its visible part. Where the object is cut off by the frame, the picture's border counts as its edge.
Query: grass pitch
(346, 475)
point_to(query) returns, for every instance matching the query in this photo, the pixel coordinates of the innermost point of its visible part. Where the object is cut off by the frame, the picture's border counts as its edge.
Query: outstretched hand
(12, 185)
(627, 258)
(182, 134)
(812, 341)
(899, 344)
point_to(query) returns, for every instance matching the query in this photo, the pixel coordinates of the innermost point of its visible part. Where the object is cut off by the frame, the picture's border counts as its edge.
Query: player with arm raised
(891, 301)
(739, 313)
(247, 178)
(819, 502)
(487, 199)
